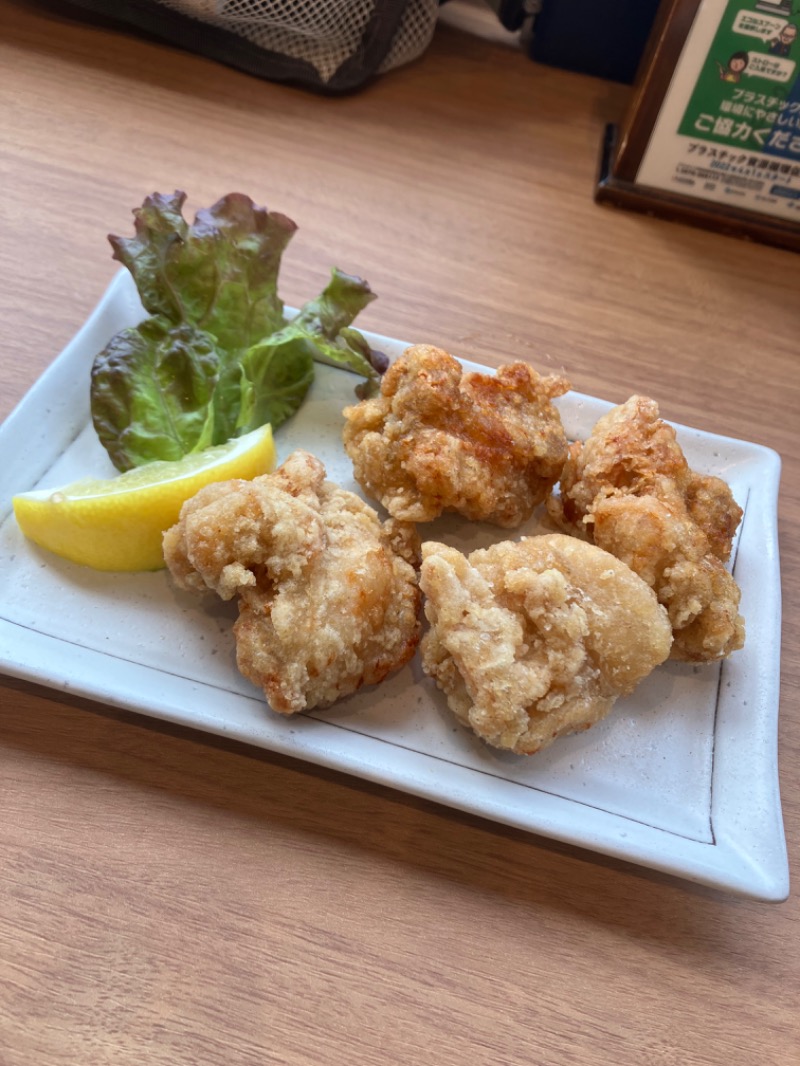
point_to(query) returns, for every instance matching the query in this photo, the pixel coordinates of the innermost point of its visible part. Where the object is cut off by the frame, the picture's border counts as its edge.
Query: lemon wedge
(117, 524)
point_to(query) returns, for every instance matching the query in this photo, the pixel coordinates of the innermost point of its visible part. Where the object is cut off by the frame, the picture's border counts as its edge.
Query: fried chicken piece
(536, 639)
(435, 439)
(629, 489)
(328, 596)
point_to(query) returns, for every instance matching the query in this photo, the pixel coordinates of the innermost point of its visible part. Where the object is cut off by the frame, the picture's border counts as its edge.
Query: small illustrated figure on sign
(782, 44)
(737, 65)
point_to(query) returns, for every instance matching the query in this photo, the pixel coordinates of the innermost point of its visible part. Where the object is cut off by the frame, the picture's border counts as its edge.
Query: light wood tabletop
(168, 897)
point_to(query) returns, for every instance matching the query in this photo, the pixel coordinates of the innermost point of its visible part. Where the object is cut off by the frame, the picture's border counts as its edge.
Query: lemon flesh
(117, 524)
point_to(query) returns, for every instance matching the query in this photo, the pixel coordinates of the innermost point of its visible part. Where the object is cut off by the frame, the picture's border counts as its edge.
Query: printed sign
(729, 127)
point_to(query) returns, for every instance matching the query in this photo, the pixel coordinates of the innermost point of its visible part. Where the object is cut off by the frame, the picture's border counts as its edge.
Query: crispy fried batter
(629, 489)
(328, 597)
(438, 439)
(536, 639)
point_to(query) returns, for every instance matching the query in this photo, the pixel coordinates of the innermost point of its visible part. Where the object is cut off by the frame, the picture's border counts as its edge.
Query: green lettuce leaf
(217, 358)
(326, 322)
(220, 273)
(276, 375)
(336, 306)
(277, 372)
(151, 392)
(160, 234)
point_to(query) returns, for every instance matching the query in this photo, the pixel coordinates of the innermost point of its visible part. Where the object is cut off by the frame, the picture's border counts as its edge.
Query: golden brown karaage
(629, 489)
(328, 596)
(535, 639)
(489, 447)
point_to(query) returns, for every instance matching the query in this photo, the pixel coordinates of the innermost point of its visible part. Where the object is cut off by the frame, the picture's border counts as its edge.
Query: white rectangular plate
(682, 777)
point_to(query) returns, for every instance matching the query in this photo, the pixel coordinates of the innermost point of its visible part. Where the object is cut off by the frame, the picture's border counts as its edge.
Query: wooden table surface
(169, 898)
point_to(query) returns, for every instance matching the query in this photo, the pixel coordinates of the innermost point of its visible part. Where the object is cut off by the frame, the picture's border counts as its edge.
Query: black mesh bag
(333, 45)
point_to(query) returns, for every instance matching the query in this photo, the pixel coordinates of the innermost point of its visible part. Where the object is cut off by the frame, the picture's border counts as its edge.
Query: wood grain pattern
(172, 899)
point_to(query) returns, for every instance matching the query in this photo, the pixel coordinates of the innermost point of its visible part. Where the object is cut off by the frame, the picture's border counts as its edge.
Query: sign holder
(712, 135)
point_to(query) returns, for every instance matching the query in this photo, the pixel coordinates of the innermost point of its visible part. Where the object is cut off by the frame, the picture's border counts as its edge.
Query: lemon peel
(117, 524)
